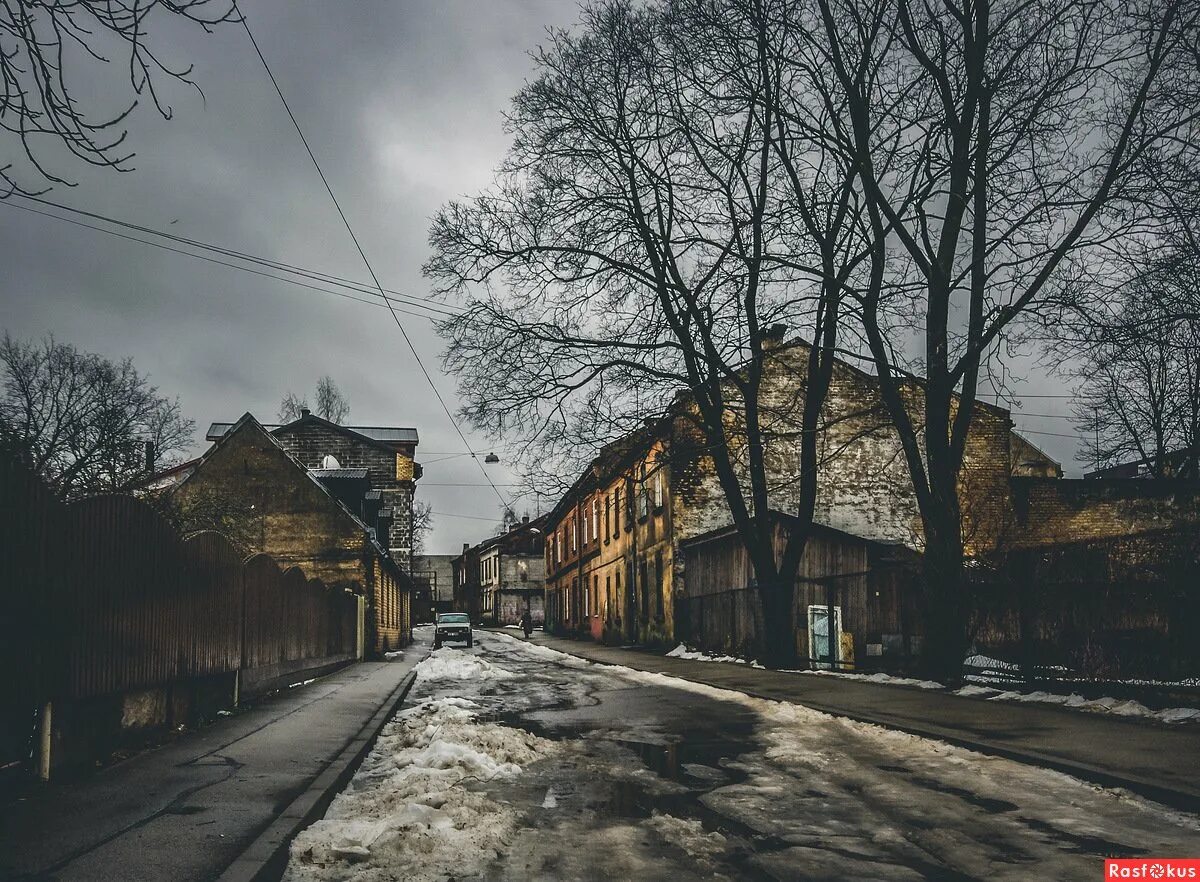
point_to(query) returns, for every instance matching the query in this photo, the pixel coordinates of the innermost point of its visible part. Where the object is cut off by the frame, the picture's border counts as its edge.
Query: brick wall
(252, 490)
(311, 442)
(1049, 511)
(864, 487)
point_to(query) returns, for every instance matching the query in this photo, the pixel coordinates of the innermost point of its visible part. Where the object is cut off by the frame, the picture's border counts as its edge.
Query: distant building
(323, 520)
(1183, 463)
(383, 454)
(435, 575)
(502, 577)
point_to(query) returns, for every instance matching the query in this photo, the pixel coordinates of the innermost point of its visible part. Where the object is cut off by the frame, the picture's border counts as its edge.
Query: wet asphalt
(665, 781)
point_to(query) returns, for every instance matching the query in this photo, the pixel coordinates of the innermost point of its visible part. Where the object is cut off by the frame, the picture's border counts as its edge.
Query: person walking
(527, 623)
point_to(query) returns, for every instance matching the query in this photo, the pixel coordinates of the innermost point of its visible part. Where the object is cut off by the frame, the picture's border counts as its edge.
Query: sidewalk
(1157, 761)
(187, 811)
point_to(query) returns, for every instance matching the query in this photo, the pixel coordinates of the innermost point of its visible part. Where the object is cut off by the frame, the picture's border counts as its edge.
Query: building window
(617, 513)
(596, 518)
(658, 489)
(608, 518)
(608, 598)
(558, 546)
(574, 535)
(644, 599)
(658, 583)
(643, 502)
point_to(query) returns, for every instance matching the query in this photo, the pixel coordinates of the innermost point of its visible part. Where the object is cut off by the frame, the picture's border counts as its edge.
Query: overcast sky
(402, 101)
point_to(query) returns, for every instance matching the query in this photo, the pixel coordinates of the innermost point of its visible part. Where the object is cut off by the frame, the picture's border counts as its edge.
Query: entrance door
(823, 636)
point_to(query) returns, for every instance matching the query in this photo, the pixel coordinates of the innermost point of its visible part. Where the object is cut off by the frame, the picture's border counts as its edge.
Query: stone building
(508, 575)
(434, 574)
(610, 545)
(385, 452)
(250, 487)
(614, 566)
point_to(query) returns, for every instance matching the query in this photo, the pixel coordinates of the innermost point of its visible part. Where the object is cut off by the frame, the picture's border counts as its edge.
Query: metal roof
(391, 434)
(327, 474)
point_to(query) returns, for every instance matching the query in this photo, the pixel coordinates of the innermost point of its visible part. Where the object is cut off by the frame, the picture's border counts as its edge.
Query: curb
(1174, 798)
(265, 859)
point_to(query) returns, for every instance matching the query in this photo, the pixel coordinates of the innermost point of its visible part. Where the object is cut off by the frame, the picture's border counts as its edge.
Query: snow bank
(1104, 705)
(880, 678)
(684, 651)
(405, 814)
(454, 664)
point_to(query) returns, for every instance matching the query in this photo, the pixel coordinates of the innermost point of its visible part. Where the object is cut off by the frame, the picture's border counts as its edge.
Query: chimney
(773, 337)
(149, 457)
(304, 412)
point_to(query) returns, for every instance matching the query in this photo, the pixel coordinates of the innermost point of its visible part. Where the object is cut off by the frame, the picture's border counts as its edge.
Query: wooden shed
(854, 603)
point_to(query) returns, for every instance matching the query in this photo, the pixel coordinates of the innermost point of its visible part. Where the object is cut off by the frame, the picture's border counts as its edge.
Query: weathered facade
(386, 452)
(508, 577)
(853, 604)
(610, 550)
(251, 488)
(650, 577)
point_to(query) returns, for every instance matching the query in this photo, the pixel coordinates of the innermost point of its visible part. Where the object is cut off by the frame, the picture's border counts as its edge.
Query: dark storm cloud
(402, 102)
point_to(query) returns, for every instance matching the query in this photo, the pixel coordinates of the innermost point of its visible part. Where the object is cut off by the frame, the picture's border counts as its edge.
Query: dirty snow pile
(880, 678)
(685, 651)
(1104, 705)
(411, 811)
(454, 664)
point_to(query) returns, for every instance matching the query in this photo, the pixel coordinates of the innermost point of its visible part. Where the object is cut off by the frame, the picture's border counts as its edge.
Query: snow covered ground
(1104, 705)
(513, 761)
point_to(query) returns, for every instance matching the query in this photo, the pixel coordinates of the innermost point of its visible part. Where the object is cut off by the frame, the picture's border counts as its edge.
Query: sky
(402, 102)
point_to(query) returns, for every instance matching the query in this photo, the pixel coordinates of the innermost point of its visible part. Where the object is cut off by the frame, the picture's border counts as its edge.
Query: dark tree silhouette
(80, 421)
(50, 49)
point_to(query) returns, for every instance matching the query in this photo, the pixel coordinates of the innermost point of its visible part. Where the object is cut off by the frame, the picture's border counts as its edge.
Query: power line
(363, 255)
(446, 514)
(411, 300)
(203, 257)
(1047, 434)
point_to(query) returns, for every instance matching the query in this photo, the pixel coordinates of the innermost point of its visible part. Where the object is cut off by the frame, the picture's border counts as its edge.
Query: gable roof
(247, 420)
(381, 435)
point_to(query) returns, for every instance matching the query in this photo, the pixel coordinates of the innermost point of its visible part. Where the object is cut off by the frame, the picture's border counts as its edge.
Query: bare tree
(1004, 148)
(422, 525)
(49, 50)
(82, 422)
(331, 403)
(1140, 372)
(292, 407)
(655, 217)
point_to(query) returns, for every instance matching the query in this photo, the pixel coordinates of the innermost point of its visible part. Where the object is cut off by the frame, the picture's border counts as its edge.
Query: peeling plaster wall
(863, 486)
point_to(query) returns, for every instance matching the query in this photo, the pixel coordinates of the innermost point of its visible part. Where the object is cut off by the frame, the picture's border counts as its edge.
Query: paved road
(1156, 760)
(186, 811)
(513, 762)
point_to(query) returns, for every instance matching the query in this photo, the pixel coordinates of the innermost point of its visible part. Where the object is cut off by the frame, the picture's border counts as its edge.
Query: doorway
(824, 632)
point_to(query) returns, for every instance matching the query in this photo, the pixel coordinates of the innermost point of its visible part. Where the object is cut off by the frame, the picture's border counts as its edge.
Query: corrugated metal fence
(101, 597)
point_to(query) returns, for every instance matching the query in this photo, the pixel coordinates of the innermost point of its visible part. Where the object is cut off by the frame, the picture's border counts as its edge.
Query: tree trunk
(945, 600)
(778, 633)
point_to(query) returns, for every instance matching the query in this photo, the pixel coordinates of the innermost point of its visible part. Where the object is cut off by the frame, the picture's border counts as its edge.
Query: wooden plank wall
(101, 597)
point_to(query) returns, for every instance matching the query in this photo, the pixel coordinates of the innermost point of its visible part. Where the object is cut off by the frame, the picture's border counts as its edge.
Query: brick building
(498, 579)
(324, 521)
(385, 452)
(610, 545)
(613, 554)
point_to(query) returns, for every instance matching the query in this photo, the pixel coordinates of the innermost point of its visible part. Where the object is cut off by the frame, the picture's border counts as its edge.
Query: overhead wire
(410, 300)
(366, 262)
